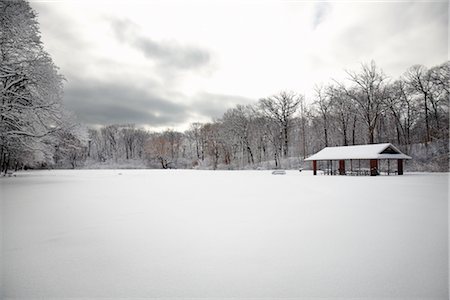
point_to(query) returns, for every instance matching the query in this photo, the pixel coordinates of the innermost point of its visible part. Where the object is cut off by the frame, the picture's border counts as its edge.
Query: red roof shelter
(372, 153)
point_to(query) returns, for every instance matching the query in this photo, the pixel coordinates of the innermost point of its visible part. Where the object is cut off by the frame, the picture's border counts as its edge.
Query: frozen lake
(236, 234)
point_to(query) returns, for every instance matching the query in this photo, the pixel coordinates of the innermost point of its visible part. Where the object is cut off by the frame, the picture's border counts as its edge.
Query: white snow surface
(144, 234)
(372, 151)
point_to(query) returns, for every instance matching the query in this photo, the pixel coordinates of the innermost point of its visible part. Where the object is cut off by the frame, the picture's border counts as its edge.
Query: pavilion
(372, 153)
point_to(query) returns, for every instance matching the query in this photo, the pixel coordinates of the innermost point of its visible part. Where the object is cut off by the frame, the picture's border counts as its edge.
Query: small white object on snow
(279, 172)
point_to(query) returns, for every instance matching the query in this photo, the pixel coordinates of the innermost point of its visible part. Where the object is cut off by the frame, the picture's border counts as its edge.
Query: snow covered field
(236, 234)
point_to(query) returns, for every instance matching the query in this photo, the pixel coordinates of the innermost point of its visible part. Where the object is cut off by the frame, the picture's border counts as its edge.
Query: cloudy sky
(162, 64)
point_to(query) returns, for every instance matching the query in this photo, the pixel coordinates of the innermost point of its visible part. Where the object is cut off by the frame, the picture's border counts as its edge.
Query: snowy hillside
(224, 234)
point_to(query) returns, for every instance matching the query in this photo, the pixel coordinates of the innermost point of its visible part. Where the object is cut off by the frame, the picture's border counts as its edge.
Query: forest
(277, 131)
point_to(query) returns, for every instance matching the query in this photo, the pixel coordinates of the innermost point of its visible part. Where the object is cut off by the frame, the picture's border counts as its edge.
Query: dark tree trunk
(163, 162)
(250, 154)
(371, 135)
(427, 125)
(344, 132)
(354, 131)
(286, 140)
(276, 159)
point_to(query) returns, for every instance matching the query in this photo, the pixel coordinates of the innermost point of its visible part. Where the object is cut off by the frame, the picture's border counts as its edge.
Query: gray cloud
(167, 54)
(173, 55)
(104, 103)
(107, 103)
(215, 105)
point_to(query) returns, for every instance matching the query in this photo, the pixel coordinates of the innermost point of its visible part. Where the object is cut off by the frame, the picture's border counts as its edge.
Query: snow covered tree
(71, 145)
(30, 86)
(237, 123)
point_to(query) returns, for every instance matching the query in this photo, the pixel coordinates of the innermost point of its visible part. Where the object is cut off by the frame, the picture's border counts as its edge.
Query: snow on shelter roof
(373, 151)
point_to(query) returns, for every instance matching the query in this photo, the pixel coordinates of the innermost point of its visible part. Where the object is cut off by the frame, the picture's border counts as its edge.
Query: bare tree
(303, 120)
(260, 135)
(281, 108)
(238, 123)
(343, 108)
(403, 108)
(157, 148)
(214, 143)
(110, 141)
(194, 134)
(368, 94)
(174, 138)
(419, 81)
(440, 76)
(128, 136)
(323, 104)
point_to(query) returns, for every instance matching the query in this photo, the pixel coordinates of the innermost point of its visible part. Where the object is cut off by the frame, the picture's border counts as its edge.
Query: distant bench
(279, 172)
(9, 174)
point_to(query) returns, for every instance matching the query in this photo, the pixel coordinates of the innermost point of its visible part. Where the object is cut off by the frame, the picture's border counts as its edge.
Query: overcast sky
(162, 64)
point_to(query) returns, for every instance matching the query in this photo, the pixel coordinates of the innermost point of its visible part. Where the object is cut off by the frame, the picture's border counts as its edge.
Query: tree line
(277, 131)
(281, 130)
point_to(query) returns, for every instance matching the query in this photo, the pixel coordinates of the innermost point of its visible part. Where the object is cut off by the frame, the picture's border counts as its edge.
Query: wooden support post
(400, 166)
(314, 167)
(342, 167)
(373, 167)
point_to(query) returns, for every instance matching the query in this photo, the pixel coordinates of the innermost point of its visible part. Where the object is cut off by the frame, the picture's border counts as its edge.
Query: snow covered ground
(225, 234)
